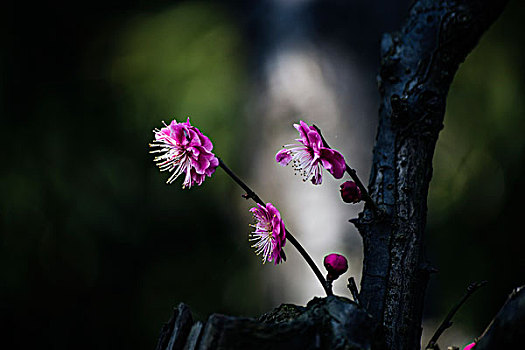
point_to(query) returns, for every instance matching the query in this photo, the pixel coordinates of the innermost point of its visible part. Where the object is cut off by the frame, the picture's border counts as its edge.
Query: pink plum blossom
(470, 346)
(336, 265)
(350, 192)
(184, 149)
(310, 156)
(269, 236)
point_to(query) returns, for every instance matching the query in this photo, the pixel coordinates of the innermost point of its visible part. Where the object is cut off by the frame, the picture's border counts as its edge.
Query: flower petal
(179, 133)
(214, 163)
(303, 129)
(283, 157)
(310, 157)
(315, 140)
(200, 164)
(333, 161)
(269, 235)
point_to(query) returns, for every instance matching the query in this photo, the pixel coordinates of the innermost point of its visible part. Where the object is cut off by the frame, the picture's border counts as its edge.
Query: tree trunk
(417, 68)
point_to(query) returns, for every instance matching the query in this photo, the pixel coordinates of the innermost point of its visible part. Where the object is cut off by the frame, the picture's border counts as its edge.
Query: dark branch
(249, 193)
(447, 321)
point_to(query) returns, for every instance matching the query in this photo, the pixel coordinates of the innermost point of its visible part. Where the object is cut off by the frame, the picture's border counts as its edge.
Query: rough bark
(174, 334)
(417, 68)
(507, 329)
(327, 323)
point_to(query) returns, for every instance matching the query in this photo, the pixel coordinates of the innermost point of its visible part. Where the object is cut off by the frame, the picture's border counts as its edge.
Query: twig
(249, 193)
(447, 321)
(357, 180)
(253, 196)
(353, 289)
(327, 287)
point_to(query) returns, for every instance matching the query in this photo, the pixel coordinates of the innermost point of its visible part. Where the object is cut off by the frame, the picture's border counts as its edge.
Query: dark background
(95, 249)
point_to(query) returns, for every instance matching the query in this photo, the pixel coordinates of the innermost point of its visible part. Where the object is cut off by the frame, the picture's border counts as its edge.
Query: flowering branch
(250, 194)
(357, 180)
(432, 344)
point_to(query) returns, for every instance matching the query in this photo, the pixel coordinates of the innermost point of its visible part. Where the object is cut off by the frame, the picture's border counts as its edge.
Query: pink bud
(336, 265)
(470, 346)
(350, 192)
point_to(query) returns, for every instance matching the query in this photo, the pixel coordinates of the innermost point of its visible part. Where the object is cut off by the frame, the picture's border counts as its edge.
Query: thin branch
(302, 251)
(357, 180)
(366, 196)
(447, 321)
(250, 194)
(353, 289)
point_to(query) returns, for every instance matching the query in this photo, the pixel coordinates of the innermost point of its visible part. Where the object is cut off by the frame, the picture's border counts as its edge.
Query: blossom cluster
(183, 149)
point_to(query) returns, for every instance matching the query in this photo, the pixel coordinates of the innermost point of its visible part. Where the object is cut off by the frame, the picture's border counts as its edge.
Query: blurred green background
(475, 229)
(95, 250)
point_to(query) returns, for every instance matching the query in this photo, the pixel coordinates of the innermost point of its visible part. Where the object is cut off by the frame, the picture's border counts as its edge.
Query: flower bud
(350, 192)
(336, 265)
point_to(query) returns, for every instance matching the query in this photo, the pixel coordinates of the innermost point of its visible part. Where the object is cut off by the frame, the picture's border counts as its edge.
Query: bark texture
(328, 323)
(417, 68)
(507, 329)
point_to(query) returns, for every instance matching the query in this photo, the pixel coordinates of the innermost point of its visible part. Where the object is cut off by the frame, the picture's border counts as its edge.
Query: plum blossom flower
(310, 156)
(350, 192)
(269, 236)
(336, 265)
(184, 149)
(470, 346)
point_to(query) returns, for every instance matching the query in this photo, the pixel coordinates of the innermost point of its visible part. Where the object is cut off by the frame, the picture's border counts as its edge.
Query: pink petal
(179, 133)
(214, 163)
(197, 178)
(200, 164)
(272, 211)
(205, 142)
(303, 129)
(333, 161)
(470, 346)
(283, 157)
(315, 140)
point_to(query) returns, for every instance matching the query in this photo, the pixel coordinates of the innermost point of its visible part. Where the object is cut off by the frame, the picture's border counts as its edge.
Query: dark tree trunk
(417, 68)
